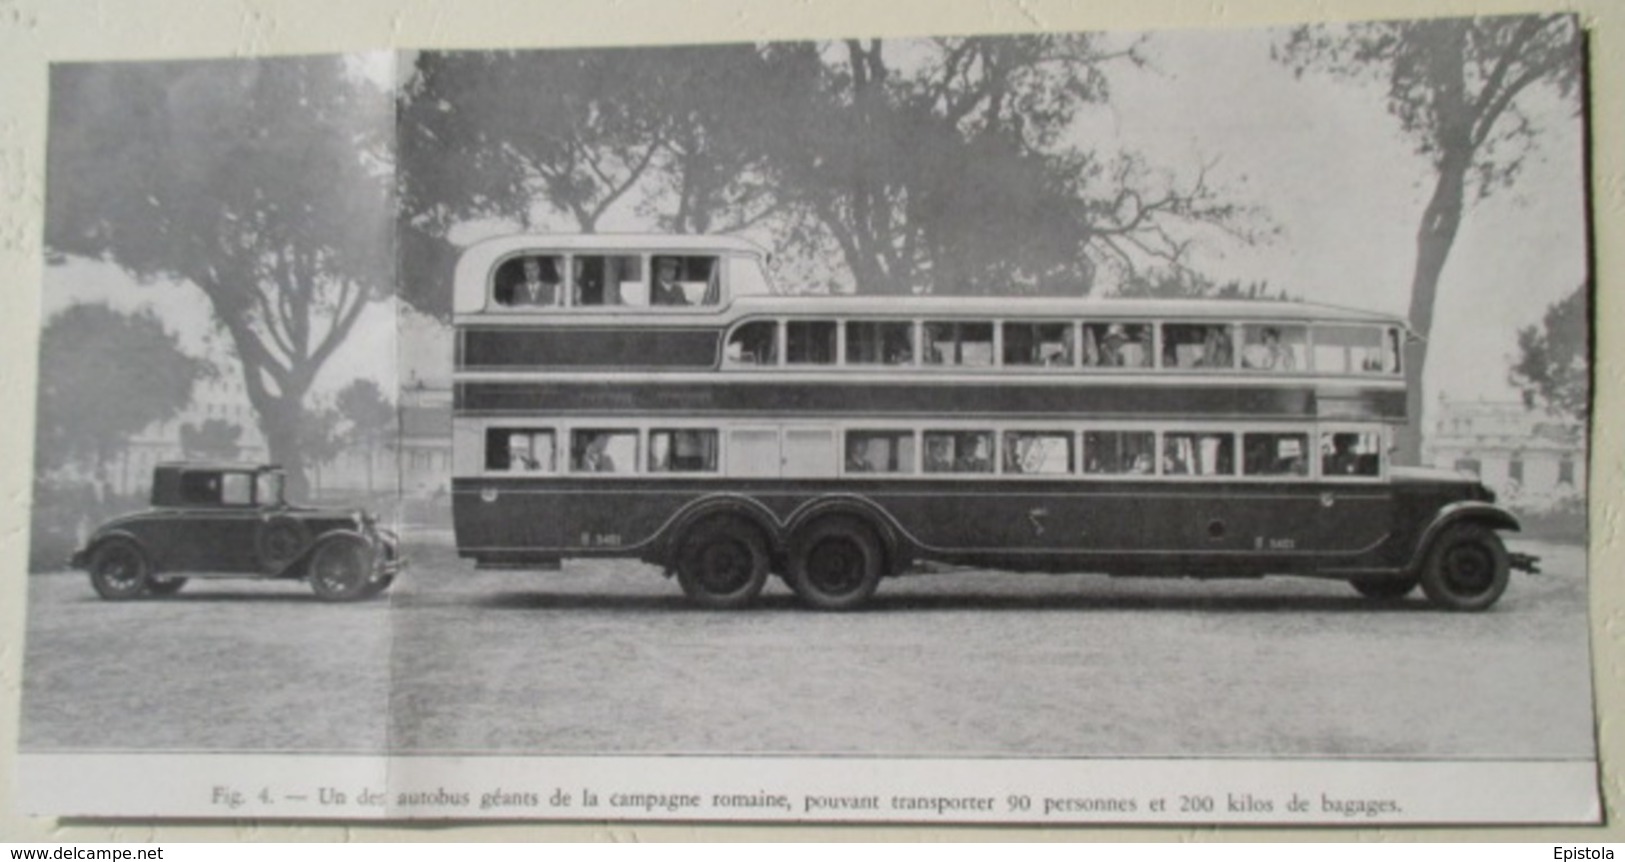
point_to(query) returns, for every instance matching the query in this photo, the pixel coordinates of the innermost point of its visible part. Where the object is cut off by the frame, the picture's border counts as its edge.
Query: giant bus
(651, 397)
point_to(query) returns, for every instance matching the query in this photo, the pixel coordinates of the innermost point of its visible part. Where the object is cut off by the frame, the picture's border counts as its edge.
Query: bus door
(1355, 500)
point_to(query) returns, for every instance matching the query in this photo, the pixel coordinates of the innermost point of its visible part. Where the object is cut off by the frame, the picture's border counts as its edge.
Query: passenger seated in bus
(1269, 353)
(977, 459)
(857, 460)
(667, 291)
(536, 283)
(939, 454)
(1343, 460)
(519, 455)
(1112, 346)
(595, 458)
(1217, 351)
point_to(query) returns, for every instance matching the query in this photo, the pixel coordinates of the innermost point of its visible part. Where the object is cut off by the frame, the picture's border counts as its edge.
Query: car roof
(222, 466)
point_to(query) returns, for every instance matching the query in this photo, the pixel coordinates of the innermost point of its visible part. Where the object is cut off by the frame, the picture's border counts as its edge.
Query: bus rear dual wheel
(835, 564)
(723, 564)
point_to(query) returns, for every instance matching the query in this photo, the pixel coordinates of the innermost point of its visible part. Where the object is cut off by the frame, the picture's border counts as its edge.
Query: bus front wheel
(835, 564)
(724, 564)
(1467, 568)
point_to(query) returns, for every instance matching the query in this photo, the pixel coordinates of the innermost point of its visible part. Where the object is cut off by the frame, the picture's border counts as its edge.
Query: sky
(1320, 158)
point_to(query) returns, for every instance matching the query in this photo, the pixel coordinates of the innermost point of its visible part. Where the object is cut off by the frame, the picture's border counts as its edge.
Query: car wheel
(168, 587)
(280, 541)
(1382, 586)
(340, 570)
(119, 571)
(723, 564)
(835, 564)
(1467, 568)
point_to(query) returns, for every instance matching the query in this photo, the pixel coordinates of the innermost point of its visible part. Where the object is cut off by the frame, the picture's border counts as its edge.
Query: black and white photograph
(1063, 427)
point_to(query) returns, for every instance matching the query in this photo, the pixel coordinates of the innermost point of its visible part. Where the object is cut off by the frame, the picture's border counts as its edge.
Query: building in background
(1531, 459)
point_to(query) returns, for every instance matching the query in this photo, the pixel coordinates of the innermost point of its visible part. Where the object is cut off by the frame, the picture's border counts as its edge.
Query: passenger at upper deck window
(532, 280)
(1269, 353)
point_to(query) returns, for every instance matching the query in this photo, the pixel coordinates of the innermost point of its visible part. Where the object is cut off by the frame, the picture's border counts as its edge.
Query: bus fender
(1465, 511)
(745, 508)
(897, 550)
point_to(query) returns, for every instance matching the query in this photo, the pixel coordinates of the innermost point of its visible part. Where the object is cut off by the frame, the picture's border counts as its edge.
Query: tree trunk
(280, 419)
(1434, 238)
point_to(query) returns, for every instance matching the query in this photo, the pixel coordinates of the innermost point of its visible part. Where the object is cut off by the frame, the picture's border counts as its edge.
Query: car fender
(299, 563)
(81, 558)
(1465, 511)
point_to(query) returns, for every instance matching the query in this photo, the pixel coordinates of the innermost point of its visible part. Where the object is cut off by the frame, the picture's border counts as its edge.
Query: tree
(1457, 87)
(319, 442)
(368, 420)
(104, 376)
(1553, 369)
(212, 439)
(265, 184)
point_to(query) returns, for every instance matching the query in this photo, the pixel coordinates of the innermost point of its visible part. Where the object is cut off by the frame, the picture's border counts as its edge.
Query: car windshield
(268, 488)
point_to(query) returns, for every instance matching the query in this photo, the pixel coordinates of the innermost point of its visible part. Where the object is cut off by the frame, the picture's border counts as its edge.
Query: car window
(200, 488)
(237, 489)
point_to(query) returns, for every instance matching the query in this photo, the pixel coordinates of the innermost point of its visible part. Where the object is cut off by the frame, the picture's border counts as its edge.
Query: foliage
(1553, 368)
(105, 375)
(262, 183)
(368, 421)
(925, 166)
(1458, 87)
(1184, 284)
(212, 439)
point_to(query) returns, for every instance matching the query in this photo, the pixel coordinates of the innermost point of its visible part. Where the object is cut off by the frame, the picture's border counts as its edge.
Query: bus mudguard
(865, 510)
(1465, 511)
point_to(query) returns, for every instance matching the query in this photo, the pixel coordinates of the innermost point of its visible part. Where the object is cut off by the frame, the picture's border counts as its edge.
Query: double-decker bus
(648, 397)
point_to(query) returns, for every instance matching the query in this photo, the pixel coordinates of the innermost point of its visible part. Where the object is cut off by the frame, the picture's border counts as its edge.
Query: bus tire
(723, 564)
(1467, 568)
(835, 564)
(1383, 587)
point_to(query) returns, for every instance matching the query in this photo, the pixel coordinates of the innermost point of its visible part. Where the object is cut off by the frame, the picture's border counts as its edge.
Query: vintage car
(231, 521)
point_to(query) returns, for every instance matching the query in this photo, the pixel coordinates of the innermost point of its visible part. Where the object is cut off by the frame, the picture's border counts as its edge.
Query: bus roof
(485, 252)
(1005, 307)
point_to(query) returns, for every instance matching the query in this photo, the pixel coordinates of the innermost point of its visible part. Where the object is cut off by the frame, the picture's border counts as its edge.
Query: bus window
(883, 343)
(603, 450)
(1198, 454)
(1269, 347)
(810, 342)
(519, 450)
(880, 451)
(1038, 452)
(678, 280)
(682, 450)
(968, 344)
(1350, 453)
(959, 451)
(1198, 345)
(1116, 453)
(604, 279)
(529, 281)
(1353, 350)
(1117, 345)
(754, 343)
(1275, 454)
(1037, 344)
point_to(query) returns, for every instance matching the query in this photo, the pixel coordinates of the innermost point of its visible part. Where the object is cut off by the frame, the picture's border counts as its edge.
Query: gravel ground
(607, 657)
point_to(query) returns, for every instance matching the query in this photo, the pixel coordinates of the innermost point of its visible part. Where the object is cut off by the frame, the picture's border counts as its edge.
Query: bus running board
(551, 565)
